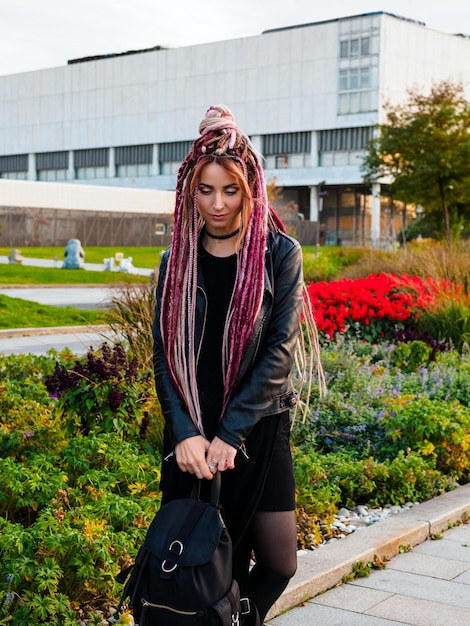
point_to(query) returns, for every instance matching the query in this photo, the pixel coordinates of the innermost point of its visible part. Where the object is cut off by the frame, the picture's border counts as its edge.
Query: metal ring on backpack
(175, 565)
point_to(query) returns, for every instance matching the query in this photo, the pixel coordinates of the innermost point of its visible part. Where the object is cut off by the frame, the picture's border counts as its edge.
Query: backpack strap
(215, 489)
(133, 582)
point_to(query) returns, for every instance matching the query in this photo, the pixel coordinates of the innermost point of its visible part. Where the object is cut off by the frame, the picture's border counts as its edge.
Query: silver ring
(198, 471)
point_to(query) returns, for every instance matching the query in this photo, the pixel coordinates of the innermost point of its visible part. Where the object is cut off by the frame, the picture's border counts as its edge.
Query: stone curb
(325, 567)
(51, 330)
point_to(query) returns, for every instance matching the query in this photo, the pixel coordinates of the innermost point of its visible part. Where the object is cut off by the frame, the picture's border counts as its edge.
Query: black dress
(263, 477)
(219, 278)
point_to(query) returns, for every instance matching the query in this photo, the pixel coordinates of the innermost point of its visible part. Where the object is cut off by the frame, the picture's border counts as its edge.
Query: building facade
(309, 96)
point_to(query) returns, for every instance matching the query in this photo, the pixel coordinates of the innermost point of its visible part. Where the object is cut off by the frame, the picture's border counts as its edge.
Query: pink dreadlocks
(220, 140)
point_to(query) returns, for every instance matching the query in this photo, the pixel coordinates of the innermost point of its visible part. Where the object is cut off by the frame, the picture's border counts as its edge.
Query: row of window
(358, 54)
(354, 78)
(345, 139)
(281, 150)
(352, 48)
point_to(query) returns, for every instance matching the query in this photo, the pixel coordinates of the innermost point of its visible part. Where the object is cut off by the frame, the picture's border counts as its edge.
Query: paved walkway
(427, 586)
(64, 296)
(39, 341)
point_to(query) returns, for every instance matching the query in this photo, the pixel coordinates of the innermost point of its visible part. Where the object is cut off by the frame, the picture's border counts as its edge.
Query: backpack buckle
(175, 550)
(245, 606)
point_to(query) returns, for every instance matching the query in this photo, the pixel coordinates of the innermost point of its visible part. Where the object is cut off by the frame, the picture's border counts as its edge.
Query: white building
(309, 96)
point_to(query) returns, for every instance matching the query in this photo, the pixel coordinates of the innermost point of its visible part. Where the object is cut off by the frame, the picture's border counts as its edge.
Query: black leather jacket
(263, 384)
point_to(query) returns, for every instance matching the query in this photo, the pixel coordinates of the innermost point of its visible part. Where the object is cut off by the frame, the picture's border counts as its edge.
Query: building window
(15, 164)
(131, 171)
(93, 157)
(354, 78)
(354, 90)
(353, 48)
(282, 161)
(133, 161)
(133, 155)
(171, 155)
(52, 175)
(14, 175)
(83, 173)
(91, 163)
(365, 46)
(287, 150)
(169, 169)
(344, 146)
(286, 143)
(338, 139)
(52, 160)
(52, 166)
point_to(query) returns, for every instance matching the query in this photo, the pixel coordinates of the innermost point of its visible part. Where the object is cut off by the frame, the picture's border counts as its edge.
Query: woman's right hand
(191, 456)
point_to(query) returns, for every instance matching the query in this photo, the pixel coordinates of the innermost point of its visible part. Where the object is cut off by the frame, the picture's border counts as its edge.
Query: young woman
(226, 326)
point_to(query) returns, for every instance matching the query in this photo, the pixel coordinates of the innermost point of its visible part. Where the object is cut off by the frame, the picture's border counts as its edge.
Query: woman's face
(220, 200)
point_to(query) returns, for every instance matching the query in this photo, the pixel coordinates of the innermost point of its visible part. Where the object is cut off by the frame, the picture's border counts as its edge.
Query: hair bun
(218, 117)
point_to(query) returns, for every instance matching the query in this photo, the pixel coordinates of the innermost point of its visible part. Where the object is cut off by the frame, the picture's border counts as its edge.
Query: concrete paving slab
(445, 549)
(420, 612)
(426, 565)
(464, 579)
(318, 615)
(324, 568)
(410, 578)
(416, 586)
(460, 533)
(356, 599)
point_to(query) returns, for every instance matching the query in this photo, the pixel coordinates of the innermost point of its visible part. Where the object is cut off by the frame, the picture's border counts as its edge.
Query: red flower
(393, 299)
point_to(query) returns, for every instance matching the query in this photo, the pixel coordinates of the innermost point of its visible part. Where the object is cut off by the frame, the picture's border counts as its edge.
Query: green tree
(423, 152)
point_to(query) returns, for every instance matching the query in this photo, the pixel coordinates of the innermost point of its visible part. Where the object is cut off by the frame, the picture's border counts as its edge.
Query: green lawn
(17, 313)
(29, 275)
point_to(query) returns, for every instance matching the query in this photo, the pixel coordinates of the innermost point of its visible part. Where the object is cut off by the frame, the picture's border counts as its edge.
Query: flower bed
(373, 307)
(80, 441)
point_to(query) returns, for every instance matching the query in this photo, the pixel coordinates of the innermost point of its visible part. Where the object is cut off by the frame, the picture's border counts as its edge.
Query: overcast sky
(36, 34)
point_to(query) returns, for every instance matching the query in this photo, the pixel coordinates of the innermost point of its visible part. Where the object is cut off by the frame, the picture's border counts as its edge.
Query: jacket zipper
(152, 605)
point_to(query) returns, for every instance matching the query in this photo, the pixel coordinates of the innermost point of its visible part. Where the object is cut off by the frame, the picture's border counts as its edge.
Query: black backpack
(182, 574)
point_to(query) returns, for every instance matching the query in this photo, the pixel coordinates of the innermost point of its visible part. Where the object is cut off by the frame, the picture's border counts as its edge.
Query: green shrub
(316, 497)
(451, 263)
(69, 523)
(407, 478)
(327, 263)
(79, 481)
(106, 391)
(26, 411)
(409, 356)
(434, 428)
(134, 307)
(448, 322)
(314, 494)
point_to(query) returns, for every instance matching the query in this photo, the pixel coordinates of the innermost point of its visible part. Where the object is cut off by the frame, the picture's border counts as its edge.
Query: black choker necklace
(219, 238)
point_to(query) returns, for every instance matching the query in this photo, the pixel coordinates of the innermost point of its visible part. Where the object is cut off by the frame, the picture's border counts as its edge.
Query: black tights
(273, 537)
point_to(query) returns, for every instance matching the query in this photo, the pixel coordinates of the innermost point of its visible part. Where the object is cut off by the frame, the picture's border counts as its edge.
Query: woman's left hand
(220, 455)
